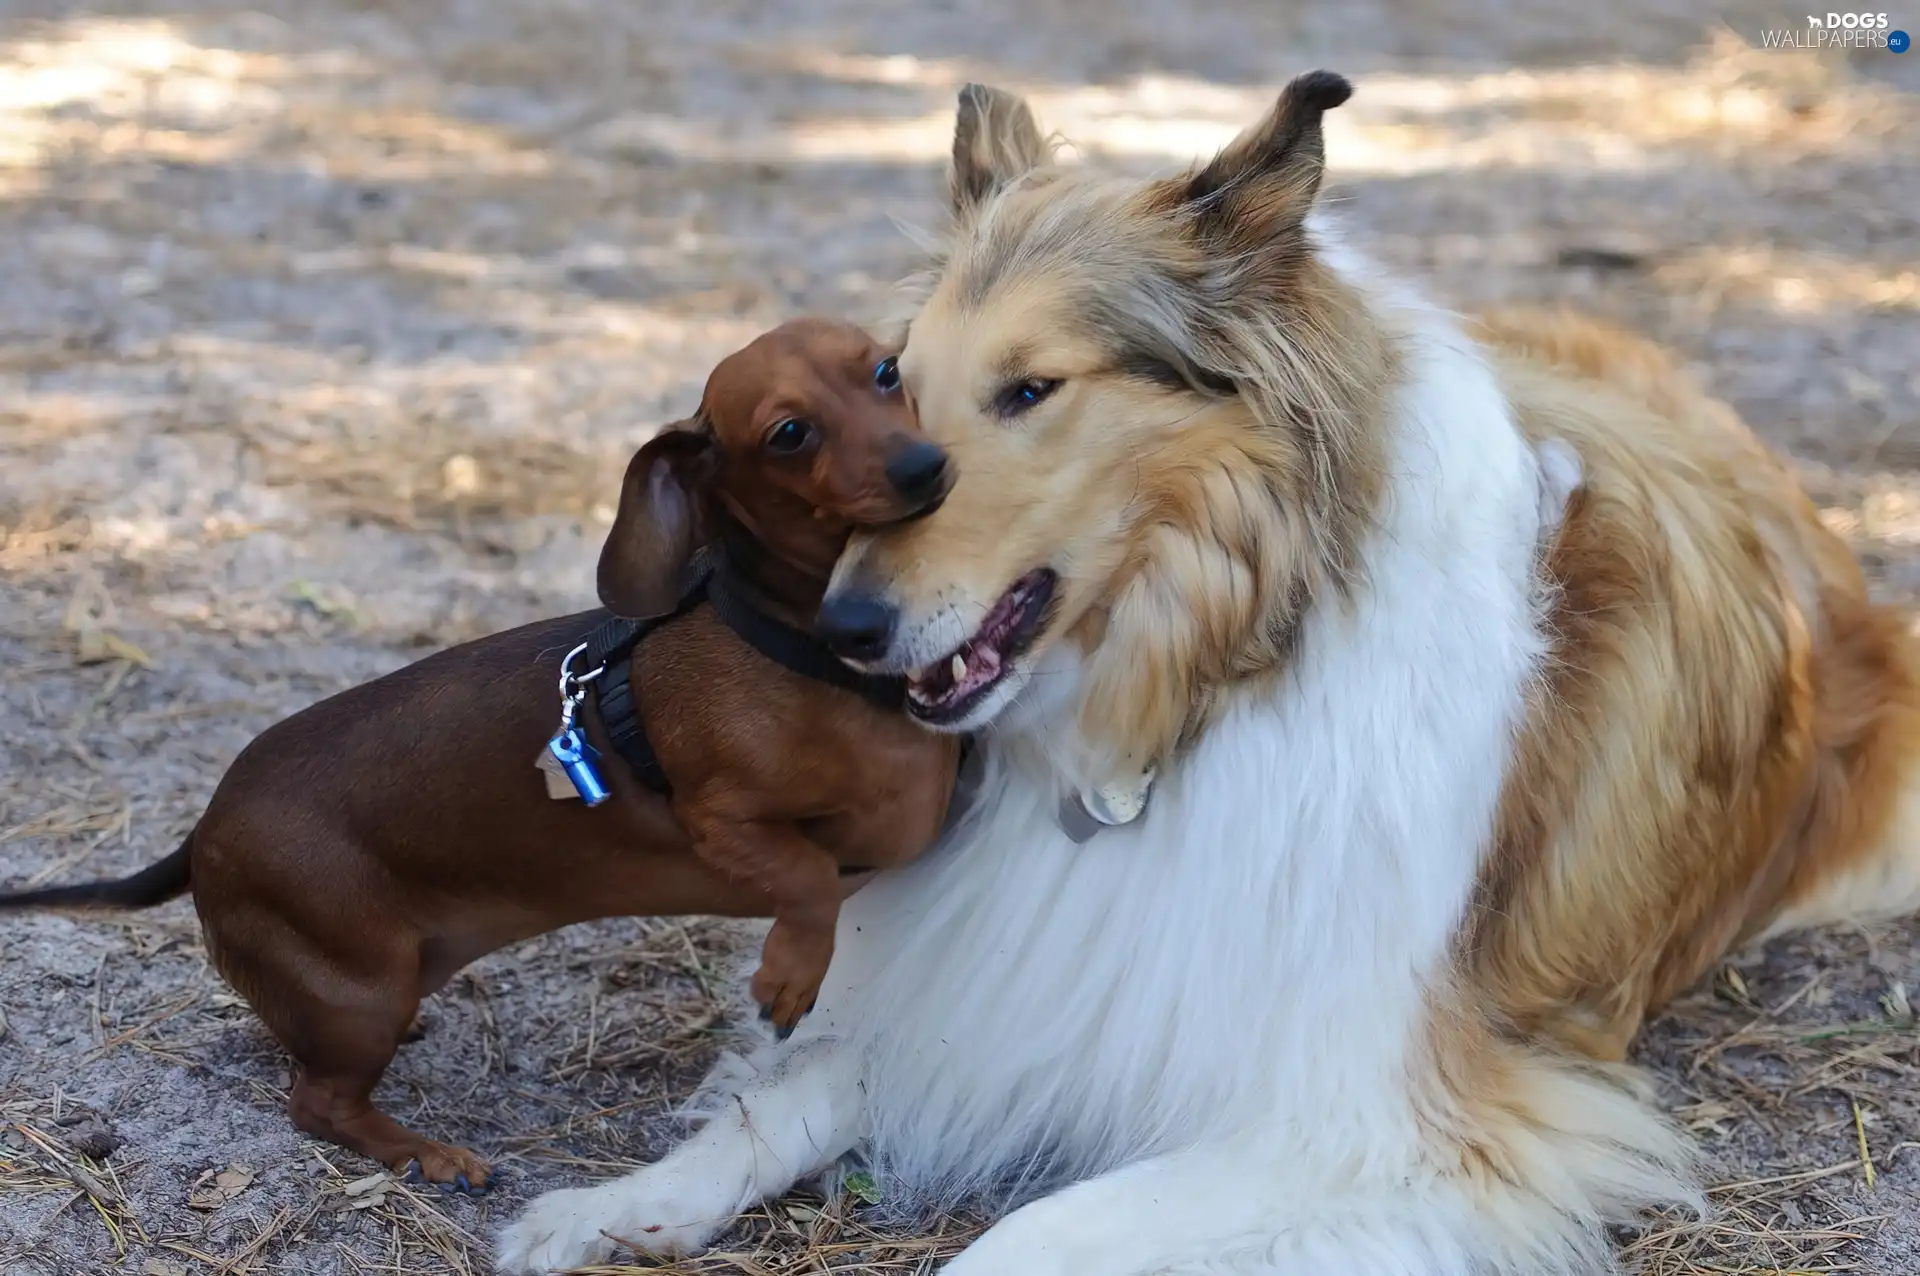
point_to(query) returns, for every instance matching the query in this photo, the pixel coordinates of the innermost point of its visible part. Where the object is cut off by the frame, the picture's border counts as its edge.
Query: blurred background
(327, 327)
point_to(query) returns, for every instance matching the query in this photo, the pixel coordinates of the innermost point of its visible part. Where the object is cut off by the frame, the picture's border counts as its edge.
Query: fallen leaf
(329, 602)
(90, 645)
(225, 1185)
(360, 1187)
(88, 1132)
(161, 1267)
(1709, 1117)
(90, 617)
(314, 596)
(862, 1186)
(1898, 1008)
(94, 645)
(90, 606)
(126, 650)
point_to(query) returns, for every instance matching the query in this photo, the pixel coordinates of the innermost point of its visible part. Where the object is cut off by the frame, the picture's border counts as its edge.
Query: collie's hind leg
(1858, 858)
(799, 1119)
(1881, 884)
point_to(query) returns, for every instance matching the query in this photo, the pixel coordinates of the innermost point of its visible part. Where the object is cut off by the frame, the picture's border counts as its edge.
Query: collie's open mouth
(945, 690)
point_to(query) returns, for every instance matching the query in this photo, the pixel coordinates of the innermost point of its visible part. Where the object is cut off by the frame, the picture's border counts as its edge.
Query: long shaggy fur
(1456, 785)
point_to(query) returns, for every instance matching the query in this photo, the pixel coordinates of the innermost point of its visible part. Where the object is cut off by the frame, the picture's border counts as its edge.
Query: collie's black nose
(856, 626)
(916, 472)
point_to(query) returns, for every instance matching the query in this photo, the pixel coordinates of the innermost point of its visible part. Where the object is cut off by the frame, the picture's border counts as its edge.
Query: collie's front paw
(559, 1230)
(576, 1227)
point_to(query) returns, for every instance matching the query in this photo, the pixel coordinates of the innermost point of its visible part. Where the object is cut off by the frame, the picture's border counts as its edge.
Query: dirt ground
(325, 330)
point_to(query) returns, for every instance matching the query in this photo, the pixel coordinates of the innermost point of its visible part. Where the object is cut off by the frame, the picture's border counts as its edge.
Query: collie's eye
(1024, 395)
(886, 374)
(789, 436)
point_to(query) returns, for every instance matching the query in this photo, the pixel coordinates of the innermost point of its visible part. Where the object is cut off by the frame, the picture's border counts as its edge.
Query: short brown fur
(358, 854)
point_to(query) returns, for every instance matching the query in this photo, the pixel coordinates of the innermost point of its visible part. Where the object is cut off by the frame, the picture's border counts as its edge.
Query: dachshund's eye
(790, 435)
(886, 374)
(1023, 395)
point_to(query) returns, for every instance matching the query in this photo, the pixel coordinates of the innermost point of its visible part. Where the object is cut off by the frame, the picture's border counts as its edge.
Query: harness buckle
(568, 747)
(573, 686)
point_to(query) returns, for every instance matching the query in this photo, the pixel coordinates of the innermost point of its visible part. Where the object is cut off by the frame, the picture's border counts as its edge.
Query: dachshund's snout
(917, 471)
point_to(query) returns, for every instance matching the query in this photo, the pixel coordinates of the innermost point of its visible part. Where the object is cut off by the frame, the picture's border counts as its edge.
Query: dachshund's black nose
(856, 626)
(916, 472)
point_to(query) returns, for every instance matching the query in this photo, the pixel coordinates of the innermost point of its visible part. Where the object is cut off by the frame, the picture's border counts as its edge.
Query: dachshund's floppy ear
(661, 522)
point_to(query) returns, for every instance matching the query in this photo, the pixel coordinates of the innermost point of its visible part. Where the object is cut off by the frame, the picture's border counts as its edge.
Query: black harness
(611, 646)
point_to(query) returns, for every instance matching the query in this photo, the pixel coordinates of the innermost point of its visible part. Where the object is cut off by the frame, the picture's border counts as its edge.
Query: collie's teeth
(917, 694)
(958, 667)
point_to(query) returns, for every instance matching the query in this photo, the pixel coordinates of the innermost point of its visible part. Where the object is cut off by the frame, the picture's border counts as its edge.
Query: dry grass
(325, 331)
(803, 1234)
(1811, 1049)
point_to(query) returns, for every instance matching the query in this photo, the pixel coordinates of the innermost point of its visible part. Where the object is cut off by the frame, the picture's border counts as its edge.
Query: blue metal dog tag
(581, 762)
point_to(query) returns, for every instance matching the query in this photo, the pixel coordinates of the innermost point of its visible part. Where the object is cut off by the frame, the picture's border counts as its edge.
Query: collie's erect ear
(995, 141)
(1266, 179)
(659, 525)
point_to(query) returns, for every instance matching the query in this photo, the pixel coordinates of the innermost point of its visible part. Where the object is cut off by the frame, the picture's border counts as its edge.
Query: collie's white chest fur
(1257, 948)
(1240, 1025)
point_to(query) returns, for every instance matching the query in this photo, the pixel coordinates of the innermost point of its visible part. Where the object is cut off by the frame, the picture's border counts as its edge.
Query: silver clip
(573, 686)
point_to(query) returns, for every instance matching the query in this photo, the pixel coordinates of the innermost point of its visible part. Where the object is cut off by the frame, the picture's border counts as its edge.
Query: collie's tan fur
(1121, 491)
(1723, 736)
(1727, 726)
(1725, 732)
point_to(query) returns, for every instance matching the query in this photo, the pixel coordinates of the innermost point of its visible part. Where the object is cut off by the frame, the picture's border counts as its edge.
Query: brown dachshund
(359, 853)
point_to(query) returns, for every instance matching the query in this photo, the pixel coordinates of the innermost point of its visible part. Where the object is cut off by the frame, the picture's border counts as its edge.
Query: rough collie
(1406, 822)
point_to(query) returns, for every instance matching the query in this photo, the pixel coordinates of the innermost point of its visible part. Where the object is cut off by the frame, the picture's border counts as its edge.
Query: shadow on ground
(326, 331)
